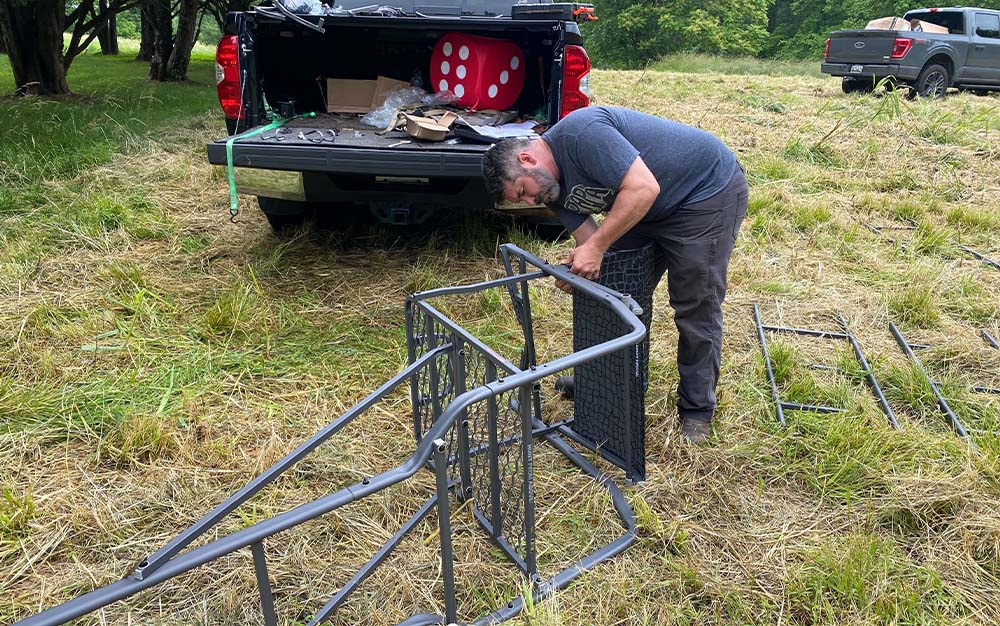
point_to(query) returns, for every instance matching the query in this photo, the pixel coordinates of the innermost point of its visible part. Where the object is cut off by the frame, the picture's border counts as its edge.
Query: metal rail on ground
(780, 406)
(476, 419)
(950, 416)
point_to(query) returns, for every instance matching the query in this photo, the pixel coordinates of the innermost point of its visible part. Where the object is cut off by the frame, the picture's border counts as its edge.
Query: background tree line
(43, 37)
(631, 33)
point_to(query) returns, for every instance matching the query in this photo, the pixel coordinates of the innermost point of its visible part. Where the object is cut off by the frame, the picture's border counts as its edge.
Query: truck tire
(932, 82)
(857, 85)
(281, 214)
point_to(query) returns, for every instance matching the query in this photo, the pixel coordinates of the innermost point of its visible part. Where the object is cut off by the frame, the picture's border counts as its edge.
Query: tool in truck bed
(477, 419)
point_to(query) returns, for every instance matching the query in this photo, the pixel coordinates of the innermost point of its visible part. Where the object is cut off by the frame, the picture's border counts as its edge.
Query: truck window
(988, 25)
(954, 21)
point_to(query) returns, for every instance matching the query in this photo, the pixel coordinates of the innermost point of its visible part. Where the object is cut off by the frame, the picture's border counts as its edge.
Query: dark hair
(500, 165)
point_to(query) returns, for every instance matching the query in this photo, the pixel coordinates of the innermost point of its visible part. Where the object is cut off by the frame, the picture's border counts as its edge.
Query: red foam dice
(483, 73)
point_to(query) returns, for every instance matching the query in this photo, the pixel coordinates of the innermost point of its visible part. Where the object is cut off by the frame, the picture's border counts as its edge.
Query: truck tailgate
(861, 46)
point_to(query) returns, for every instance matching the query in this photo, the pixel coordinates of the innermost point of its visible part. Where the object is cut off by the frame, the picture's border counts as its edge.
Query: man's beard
(549, 186)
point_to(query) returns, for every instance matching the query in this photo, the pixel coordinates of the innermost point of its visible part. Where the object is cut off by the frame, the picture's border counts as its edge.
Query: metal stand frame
(780, 406)
(880, 230)
(476, 417)
(950, 416)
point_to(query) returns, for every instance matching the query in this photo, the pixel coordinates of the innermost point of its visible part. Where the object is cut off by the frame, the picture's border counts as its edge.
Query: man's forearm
(629, 208)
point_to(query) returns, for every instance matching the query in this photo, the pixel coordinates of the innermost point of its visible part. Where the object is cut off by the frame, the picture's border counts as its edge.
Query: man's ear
(526, 158)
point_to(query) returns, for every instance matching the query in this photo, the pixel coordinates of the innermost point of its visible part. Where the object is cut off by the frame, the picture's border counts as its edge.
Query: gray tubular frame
(781, 406)
(430, 451)
(953, 421)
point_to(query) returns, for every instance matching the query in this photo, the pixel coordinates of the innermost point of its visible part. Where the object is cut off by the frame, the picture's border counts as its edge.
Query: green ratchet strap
(233, 209)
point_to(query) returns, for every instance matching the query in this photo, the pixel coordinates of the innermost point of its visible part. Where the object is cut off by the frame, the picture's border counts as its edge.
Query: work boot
(695, 430)
(565, 386)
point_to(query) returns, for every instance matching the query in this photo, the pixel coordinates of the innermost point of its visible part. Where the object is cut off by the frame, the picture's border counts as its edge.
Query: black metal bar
(527, 481)
(341, 596)
(627, 356)
(492, 413)
(953, 420)
(990, 339)
(194, 531)
(263, 584)
(979, 389)
(779, 413)
(869, 376)
(825, 368)
(411, 354)
(444, 524)
(812, 408)
(805, 331)
(464, 457)
(981, 257)
(435, 382)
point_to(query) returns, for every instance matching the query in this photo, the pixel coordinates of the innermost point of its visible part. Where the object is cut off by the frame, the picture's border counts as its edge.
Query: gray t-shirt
(595, 146)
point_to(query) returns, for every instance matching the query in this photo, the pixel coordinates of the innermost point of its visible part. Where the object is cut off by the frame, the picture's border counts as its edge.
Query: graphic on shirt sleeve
(589, 200)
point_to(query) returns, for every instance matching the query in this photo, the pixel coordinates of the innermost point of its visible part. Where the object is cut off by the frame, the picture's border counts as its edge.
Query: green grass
(700, 63)
(154, 357)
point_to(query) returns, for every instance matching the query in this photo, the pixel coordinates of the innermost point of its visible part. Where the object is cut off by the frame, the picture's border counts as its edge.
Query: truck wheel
(281, 214)
(857, 85)
(932, 82)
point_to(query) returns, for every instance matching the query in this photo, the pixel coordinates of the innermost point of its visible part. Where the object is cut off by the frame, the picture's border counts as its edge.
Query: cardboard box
(429, 128)
(359, 96)
(927, 27)
(888, 23)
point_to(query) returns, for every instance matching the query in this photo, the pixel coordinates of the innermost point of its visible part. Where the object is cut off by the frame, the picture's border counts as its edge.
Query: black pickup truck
(269, 56)
(966, 57)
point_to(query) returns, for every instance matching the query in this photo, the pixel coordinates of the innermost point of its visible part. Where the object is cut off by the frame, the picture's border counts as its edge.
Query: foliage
(630, 33)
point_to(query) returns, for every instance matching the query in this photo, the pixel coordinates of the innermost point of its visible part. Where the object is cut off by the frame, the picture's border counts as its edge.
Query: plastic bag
(304, 7)
(441, 97)
(386, 114)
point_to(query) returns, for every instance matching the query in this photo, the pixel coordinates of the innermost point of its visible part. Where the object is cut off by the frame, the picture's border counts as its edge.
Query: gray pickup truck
(967, 57)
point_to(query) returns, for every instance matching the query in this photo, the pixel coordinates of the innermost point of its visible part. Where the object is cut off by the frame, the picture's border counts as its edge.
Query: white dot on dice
(504, 77)
(446, 48)
(492, 91)
(443, 85)
(460, 71)
(445, 68)
(514, 62)
(459, 90)
(463, 52)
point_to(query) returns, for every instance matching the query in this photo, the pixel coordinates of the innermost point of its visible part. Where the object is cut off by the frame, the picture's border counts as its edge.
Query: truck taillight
(826, 52)
(227, 76)
(576, 80)
(900, 47)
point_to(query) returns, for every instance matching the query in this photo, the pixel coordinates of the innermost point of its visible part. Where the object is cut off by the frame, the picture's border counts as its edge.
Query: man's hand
(584, 260)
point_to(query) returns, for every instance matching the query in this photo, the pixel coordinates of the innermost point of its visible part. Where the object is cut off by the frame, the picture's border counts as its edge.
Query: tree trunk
(33, 35)
(108, 37)
(180, 56)
(146, 32)
(163, 44)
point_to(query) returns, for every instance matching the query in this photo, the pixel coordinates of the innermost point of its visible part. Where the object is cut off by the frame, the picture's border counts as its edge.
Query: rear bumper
(870, 70)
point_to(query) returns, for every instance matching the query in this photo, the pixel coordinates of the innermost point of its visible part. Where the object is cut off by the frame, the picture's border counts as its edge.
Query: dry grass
(156, 357)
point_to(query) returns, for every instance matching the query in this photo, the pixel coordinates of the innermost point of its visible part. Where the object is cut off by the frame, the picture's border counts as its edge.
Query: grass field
(154, 357)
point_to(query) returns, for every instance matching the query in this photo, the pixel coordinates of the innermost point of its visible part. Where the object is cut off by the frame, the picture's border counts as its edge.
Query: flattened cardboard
(888, 23)
(429, 128)
(359, 96)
